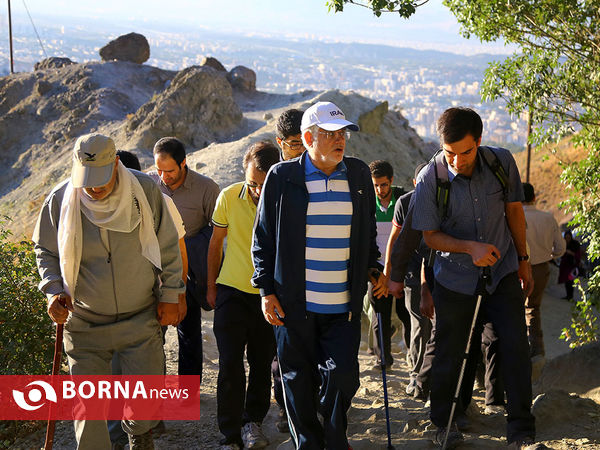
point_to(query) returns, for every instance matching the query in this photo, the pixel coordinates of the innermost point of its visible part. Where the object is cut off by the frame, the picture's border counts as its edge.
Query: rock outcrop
(242, 78)
(53, 62)
(214, 63)
(561, 373)
(131, 47)
(43, 112)
(388, 136)
(197, 107)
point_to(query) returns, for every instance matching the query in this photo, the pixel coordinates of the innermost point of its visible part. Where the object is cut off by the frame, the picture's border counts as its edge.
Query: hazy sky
(432, 27)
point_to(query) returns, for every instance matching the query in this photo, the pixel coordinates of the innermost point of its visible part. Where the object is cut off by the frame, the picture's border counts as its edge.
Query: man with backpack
(468, 202)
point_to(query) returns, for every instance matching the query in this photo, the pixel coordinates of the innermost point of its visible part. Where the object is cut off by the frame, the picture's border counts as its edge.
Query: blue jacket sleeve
(263, 238)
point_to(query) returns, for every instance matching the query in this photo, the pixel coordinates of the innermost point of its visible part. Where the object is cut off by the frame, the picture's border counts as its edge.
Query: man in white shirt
(545, 243)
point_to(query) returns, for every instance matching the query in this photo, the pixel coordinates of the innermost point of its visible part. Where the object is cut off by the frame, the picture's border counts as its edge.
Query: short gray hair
(313, 131)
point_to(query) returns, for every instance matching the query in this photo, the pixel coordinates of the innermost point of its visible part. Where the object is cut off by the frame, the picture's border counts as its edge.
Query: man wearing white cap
(101, 239)
(314, 250)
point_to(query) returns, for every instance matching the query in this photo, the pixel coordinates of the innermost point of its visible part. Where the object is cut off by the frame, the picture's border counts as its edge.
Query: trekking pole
(484, 279)
(382, 353)
(385, 394)
(55, 369)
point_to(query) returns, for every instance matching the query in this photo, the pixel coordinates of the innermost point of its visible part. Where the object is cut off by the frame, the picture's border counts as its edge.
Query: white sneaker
(494, 410)
(253, 436)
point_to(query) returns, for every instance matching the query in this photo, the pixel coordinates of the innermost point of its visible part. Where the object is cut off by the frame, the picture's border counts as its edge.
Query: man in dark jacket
(314, 250)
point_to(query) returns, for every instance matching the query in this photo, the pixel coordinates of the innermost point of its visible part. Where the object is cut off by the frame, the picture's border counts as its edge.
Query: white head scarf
(122, 210)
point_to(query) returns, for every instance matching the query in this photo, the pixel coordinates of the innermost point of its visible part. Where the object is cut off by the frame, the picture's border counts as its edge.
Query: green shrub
(584, 321)
(26, 331)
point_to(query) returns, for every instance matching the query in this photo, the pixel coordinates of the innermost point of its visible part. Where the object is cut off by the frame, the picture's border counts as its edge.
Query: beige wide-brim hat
(93, 161)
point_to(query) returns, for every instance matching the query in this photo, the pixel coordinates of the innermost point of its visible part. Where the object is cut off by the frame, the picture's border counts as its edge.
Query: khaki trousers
(90, 347)
(533, 312)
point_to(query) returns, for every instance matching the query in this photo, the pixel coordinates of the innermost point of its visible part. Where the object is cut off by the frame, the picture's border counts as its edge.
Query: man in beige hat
(101, 239)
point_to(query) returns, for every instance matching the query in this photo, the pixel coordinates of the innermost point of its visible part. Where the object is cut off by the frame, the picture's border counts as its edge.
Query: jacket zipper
(112, 271)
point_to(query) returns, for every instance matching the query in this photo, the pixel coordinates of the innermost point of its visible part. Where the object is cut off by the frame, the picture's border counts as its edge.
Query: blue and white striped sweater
(328, 224)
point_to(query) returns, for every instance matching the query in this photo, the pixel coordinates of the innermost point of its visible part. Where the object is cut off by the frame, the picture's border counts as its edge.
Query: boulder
(240, 77)
(214, 63)
(53, 62)
(42, 87)
(131, 47)
(556, 409)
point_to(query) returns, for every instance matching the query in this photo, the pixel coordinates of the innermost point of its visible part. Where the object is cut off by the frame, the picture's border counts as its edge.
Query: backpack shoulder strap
(442, 193)
(492, 161)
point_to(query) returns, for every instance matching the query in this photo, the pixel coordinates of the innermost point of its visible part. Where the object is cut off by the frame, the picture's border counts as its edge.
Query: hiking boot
(141, 441)
(494, 410)
(418, 394)
(377, 365)
(160, 428)
(455, 437)
(527, 444)
(282, 422)
(463, 423)
(253, 436)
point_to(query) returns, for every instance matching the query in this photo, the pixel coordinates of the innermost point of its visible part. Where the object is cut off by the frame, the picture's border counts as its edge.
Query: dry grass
(545, 175)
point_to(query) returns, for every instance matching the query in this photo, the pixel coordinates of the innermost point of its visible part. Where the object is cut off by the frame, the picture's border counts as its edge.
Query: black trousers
(384, 306)
(239, 325)
(505, 310)
(189, 334)
(420, 330)
(318, 357)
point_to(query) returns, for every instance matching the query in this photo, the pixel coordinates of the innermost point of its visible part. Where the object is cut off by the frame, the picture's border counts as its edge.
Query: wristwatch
(523, 258)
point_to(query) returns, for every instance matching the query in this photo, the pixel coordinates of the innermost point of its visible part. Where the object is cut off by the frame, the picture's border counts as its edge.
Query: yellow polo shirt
(236, 211)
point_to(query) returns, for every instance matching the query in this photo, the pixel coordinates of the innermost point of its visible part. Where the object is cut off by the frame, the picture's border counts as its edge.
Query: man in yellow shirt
(238, 322)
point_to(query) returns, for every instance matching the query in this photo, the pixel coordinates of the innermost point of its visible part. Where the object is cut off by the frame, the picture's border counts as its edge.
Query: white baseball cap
(93, 160)
(327, 116)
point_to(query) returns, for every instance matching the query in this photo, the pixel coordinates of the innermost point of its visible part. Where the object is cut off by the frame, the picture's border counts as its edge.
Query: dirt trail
(411, 428)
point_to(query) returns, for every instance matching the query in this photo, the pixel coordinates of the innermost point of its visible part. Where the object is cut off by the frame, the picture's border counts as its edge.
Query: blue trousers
(318, 357)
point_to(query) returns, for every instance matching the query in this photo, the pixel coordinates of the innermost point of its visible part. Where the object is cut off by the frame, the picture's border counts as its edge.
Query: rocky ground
(563, 421)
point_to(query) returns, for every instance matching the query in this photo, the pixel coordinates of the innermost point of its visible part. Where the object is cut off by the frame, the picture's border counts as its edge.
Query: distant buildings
(419, 84)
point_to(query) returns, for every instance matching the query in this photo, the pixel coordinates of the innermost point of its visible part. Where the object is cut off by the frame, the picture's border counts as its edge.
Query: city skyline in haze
(432, 27)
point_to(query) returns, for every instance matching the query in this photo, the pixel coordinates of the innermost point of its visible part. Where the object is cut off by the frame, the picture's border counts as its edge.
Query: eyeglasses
(253, 185)
(335, 134)
(293, 145)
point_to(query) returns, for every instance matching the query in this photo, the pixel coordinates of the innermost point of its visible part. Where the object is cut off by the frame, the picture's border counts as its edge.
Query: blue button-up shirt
(476, 213)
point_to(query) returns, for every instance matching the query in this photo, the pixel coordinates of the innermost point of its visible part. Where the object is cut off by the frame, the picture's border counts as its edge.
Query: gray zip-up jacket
(115, 281)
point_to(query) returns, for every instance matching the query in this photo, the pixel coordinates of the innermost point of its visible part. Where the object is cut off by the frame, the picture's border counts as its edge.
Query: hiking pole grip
(50, 427)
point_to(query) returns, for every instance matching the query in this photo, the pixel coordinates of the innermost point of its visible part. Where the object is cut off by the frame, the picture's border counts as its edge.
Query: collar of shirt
(390, 206)
(244, 194)
(187, 182)
(309, 168)
(453, 174)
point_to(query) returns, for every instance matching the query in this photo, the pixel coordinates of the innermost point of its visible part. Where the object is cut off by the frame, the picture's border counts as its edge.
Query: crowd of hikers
(289, 259)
